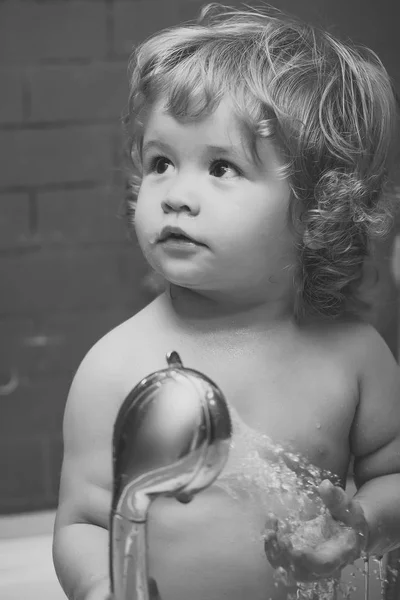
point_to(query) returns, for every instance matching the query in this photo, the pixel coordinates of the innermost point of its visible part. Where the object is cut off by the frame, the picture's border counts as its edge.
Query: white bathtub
(26, 564)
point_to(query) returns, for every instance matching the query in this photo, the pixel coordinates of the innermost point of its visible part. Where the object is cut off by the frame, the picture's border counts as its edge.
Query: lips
(179, 237)
(176, 234)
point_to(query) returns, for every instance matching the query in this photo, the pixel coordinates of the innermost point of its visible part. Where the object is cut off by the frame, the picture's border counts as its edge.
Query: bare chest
(303, 403)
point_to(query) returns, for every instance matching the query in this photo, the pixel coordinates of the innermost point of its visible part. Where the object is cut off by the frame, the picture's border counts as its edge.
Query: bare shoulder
(359, 345)
(350, 336)
(109, 370)
(371, 356)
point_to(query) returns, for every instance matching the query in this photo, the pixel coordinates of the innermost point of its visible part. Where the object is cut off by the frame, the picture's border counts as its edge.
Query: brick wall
(68, 272)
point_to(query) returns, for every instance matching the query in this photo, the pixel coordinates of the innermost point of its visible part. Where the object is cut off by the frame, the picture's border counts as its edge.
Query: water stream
(284, 483)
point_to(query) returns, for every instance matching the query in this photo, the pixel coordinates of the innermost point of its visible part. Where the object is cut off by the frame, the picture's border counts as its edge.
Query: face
(200, 177)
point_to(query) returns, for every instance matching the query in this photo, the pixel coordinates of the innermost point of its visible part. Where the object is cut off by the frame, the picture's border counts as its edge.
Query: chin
(180, 277)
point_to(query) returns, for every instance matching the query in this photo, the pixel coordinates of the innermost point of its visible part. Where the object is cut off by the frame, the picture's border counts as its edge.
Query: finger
(278, 550)
(337, 501)
(345, 509)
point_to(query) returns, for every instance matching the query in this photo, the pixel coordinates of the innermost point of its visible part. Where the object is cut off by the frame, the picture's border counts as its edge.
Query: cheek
(265, 235)
(262, 228)
(144, 217)
(143, 233)
(274, 218)
(139, 221)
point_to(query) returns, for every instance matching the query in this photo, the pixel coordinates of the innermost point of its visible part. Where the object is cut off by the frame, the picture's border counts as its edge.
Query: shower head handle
(171, 437)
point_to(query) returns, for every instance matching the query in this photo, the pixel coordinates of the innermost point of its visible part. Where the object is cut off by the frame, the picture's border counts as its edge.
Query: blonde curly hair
(328, 105)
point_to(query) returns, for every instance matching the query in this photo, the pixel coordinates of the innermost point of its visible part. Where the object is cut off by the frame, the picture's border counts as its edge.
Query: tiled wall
(68, 273)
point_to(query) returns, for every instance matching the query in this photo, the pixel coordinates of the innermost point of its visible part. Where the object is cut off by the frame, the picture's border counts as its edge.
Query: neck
(207, 313)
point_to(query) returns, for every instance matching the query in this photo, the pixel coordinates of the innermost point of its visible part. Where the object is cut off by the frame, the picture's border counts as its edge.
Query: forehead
(221, 126)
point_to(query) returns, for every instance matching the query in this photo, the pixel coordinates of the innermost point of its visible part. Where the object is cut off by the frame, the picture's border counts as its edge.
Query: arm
(375, 442)
(80, 547)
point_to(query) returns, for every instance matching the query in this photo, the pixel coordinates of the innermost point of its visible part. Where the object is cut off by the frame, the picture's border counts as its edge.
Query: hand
(323, 546)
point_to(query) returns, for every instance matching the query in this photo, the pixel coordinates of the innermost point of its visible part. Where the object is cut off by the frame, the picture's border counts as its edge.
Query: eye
(220, 167)
(157, 165)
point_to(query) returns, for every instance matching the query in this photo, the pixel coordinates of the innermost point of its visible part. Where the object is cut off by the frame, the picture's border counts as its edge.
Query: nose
(181, 198)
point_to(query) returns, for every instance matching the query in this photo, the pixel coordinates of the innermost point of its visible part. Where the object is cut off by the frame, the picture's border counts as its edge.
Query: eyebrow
(232, 150)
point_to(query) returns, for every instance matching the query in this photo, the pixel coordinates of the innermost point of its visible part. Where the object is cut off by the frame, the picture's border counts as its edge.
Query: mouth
(177, 236)
(178, 239)
(174, 235)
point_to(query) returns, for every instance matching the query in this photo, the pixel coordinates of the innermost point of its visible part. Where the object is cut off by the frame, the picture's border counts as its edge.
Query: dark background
(68, 270)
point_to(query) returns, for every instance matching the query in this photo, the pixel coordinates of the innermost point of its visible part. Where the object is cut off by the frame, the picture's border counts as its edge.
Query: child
(261, 148)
